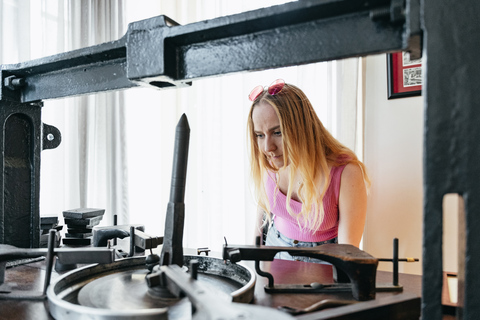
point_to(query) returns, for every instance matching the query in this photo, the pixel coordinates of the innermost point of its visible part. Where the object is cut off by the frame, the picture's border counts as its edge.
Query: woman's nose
(269, 145)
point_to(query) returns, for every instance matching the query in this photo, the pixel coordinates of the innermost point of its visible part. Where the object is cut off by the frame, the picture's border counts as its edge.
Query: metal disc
(119, 290)
(126, 290)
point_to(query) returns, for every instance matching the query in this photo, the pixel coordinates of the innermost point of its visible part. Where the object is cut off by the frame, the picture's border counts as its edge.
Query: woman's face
(266, 126)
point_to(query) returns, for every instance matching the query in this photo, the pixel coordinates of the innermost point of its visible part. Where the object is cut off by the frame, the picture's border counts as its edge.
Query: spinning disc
(121, 291)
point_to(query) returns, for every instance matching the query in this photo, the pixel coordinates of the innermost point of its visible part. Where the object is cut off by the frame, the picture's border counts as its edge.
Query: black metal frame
(156, 52)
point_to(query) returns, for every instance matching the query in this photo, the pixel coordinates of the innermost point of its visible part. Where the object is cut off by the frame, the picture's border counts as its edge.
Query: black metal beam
(292, 34)
(77, 72)
(157, 52)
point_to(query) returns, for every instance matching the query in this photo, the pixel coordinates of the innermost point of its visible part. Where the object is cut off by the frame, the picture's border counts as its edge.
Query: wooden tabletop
(30, 278)
(293, 272)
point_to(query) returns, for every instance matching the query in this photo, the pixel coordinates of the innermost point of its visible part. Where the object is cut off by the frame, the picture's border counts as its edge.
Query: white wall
(393, 156)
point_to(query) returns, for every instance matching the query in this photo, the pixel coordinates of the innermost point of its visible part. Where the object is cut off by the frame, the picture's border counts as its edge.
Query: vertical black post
(49, 259)
(132, 241)
(115, 222)
(451, 143)
(395, 261)
(172, 250)
(20, 135)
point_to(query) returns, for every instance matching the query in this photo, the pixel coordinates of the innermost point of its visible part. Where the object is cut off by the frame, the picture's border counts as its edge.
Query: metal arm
(348, 261)
(160, 53)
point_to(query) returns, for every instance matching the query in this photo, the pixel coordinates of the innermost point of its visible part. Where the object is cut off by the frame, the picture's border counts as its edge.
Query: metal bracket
(350, 263)
(316, 287)
(51, 137)
(348, 266)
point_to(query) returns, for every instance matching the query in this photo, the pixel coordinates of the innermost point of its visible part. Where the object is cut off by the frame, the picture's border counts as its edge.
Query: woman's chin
(278, 163)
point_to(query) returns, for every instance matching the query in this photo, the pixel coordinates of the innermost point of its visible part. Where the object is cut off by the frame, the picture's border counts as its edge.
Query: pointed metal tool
(172, 251)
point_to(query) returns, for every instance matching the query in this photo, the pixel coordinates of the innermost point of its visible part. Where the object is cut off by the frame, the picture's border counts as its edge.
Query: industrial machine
(161, 54)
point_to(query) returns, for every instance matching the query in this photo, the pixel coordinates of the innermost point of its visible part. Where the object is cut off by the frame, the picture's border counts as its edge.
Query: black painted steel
(20, 138)
(88, 70)
(23, 136)
(159, 53)
(451, 149)
(172, 250)
(352, 264)
(207, 303)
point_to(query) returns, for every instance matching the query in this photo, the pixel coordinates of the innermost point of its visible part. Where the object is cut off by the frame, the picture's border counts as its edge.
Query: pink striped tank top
(288, 225)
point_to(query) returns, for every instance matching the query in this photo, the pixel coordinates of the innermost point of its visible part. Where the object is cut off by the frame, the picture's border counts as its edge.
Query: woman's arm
(352, 205)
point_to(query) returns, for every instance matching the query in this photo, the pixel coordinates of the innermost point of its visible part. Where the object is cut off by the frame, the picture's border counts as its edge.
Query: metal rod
(115, 223)
(50, 259)
(399, 259)
(132, 241)
(395, 261)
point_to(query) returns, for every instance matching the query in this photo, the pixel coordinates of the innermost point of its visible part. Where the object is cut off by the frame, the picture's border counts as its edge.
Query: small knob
(234, 255)
(151, 261)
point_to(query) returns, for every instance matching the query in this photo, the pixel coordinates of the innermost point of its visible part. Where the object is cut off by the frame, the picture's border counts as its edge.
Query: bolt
(50, 137)
(13, 83)
(394, 13)
(380, 14)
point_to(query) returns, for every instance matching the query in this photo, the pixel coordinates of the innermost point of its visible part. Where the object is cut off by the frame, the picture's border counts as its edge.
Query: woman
(310, 188)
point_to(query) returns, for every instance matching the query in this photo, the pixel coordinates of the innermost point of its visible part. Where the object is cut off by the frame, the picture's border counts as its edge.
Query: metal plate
(119, 291)
(125, 290)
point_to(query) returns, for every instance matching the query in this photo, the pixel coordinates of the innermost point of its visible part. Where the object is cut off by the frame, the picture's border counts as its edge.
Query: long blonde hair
(308, 148)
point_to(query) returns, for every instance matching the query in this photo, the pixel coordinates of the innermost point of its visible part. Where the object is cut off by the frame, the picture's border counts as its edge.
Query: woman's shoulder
(352, 173)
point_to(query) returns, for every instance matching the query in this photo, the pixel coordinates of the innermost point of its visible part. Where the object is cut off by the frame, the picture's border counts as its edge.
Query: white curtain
(88, 169)
(99, 119)
(219, 199)
(102, 133)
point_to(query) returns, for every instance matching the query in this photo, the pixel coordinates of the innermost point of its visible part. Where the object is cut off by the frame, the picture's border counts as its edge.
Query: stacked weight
(80, 223)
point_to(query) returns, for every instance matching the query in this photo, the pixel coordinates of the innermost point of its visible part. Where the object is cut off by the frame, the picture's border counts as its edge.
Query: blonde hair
(308, 148)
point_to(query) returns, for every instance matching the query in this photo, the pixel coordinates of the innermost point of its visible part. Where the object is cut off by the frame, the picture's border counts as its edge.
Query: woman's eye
(278, 133)
(259, 136)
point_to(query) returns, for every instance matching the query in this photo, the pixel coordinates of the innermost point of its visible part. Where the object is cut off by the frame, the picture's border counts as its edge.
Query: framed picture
(404, 75)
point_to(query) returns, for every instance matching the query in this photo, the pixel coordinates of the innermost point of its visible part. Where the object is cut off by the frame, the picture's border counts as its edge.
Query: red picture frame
(404, 75)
